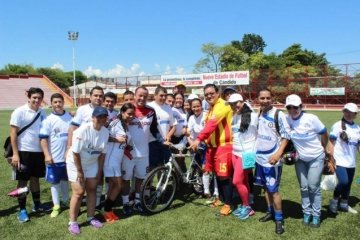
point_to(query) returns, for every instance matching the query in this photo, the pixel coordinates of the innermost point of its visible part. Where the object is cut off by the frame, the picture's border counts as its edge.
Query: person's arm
(15, 161)
(277, 155)
(71, 130)
(284, 131)
(170, 134)
(45, 148)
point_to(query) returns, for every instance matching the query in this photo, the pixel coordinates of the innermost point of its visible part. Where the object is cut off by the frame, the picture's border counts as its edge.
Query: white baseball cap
(192, 96)
(352, 107)
(293, 100)
(235, 98)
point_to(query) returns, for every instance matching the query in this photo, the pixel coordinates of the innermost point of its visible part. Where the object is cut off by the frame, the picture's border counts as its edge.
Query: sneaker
(216, 203)
(41, 208)
(55, 212)
(306, 219)
(19, 192)
(110, 217)
(225, 210)
(246, 212)
(237, 211)
(315, 222)
(23, 216)
(138, 208)
(74, 228)
(95, 223)
(279, 227)
(127, 209)
(267, 217)
(333, 206)
(351, 210)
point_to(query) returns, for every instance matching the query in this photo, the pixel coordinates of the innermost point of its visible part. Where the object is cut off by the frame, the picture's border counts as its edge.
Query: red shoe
(110, 217)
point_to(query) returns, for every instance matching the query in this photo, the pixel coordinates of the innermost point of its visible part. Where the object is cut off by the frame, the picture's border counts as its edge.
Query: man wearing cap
(309, 136)
(85, 160)
(228, 91)
(343, 145)
(218, 137)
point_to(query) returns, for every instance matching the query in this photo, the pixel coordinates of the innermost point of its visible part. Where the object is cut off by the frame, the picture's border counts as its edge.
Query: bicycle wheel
(158, 190)
(196, 180)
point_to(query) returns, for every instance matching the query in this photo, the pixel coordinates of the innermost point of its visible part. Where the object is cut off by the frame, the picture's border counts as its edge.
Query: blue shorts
(268, 177)
(56, 172)
(158, 154)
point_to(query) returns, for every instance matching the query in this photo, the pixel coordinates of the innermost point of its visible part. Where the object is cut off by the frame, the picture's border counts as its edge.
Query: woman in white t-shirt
(344, 142)
(84, 163)
(309, 136)
(118, 146)
(244, 130)
(195, 125)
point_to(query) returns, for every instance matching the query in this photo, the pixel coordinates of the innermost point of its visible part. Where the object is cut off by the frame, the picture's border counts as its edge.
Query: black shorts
(32, 164)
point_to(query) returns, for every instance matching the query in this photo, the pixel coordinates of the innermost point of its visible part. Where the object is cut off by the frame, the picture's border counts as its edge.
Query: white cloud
(117, 71)
(180, 70)
(157, 66)
(57, 66)
(167, 70)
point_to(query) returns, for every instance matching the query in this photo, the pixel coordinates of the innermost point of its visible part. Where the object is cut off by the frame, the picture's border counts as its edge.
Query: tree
(295, 55)
(211, 61)
(232, 58)
(250, 44)
(18, 69)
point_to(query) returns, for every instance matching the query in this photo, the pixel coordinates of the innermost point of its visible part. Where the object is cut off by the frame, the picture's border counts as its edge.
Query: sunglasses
(292, 107)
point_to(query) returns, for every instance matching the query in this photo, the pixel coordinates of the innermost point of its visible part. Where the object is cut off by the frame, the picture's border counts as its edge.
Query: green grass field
(187, 218)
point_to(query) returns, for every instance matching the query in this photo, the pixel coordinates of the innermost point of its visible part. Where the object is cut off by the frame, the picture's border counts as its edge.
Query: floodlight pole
(73, 36)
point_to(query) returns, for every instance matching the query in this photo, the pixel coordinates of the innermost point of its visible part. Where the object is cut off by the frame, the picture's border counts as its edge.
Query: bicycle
(159, 187)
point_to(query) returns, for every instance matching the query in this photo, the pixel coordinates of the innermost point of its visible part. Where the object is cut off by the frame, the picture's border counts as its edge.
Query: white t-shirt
(268, 139)
(244, 141)
(139, 129)
(345, 153)
(29, 140)
(83, 115)
(114, 149)
(304, 133)
(165, 118)
(180, 117)
(196, 125)
(89, 143)
(55, 129)
(112, 115)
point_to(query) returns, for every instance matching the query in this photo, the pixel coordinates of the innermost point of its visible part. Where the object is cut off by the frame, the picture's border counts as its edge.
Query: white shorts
(90, 171)
(112, 166)
(137, 167)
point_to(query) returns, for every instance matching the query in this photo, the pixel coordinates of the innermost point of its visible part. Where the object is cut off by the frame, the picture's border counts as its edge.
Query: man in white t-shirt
(110, 100)
(159, 152)
(53, 140)
(141, 128)
(28, 158)
(270, 145)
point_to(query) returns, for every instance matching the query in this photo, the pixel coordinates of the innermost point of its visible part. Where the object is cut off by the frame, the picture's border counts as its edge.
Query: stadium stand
(14, 89)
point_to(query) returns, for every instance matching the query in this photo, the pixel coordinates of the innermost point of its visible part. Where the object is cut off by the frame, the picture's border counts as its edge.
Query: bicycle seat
(177, 148)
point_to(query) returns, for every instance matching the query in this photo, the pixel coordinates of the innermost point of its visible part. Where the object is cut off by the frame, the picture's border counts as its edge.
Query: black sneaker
(127, 210)
(138, 208)
(267, 217)
(279, 227)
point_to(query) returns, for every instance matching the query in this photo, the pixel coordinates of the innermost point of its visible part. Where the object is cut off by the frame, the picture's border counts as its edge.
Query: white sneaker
(333, 206)
(351, 210)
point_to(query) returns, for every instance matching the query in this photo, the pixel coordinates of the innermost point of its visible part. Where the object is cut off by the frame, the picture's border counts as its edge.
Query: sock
(270, 209)
(137, 197)
(125, 199)
(22, 202)
(64, 185)
(206, 183)
(99, 190)
(216, 188)
(108, 205)
(36, 198)
(278, 215)
(106, 188)
(55, 189)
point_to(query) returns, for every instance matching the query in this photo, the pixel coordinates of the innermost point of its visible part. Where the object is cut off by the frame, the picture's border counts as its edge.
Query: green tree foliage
(18, 69)
(250, 44)
(233, 59)
(211, 61)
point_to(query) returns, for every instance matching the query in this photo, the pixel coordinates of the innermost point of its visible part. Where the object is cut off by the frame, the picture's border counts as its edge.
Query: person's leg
(315, 168)
(342, 181)
(64, 185)
(240, 180)
(344, 204)
(78, 191)
(301, 169)
(127, 168)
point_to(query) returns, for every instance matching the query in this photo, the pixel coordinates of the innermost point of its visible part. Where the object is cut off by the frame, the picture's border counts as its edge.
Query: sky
(142, 37)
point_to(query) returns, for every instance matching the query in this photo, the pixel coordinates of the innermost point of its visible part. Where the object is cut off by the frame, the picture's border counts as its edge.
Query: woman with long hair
(119, 144)
(244, 129)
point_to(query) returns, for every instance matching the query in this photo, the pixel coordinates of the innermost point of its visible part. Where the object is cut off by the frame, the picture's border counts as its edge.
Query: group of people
(100, 143)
